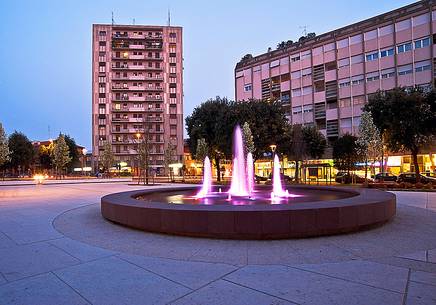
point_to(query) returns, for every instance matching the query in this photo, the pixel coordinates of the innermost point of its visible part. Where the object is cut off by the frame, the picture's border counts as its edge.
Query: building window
(247, 88)
(297, 110)
(422, 43)
(102, 33)
(404, 47)
(345, 102)
(422, 66)
(372, 77)
(307, 108)
(295, 58)
(357, 80)
(372, 56)
(296, 92)
(388, 73)
(343, 83)
(404, 70)
(388, 52)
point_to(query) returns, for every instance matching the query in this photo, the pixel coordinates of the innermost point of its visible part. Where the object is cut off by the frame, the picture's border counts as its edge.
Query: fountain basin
(357, 209)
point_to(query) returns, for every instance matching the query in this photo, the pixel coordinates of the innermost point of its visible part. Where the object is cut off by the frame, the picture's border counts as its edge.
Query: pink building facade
(137, 91)
(326, 80)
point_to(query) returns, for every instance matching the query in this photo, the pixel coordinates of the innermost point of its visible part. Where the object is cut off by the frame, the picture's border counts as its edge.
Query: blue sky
(45, 53)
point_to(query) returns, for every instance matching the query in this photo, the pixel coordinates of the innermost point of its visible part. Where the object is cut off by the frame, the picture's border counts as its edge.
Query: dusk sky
(45, 53)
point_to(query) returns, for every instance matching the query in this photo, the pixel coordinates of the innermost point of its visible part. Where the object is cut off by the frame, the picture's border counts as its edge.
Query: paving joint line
(343, 279)
(71, 287)
(202, 286)
(260, 291)
(407, 288)
(155, 273)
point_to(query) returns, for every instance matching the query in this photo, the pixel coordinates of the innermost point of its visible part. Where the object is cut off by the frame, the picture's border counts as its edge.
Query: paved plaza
(55, 248)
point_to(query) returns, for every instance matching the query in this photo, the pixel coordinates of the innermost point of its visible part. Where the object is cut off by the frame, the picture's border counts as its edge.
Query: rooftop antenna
(49, 135)
(304, 28)
(133, 21)
(113, 21)
(169, 17)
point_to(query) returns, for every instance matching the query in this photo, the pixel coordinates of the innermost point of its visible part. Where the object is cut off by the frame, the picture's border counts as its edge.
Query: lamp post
(84, 151)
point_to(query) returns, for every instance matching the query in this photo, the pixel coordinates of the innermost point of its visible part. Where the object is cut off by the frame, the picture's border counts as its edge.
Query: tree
(144, 155)
(314, 142)
(246, 57)
(369, 142)
(74, 153)
(169, 154)
(346, 153)
(406, 118)
(201, 150)
(212, 121)
(45, 153)
(21, 152)
(248, 138)
(4, 148)
(60, 154)
(107, 157)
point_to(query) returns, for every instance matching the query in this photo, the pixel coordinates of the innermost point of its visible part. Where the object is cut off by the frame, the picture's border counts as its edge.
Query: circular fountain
(246, 212)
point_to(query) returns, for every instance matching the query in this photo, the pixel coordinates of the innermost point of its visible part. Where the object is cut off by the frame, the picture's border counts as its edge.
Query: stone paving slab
(114, 281)
(223, 292)
(80, 250)
(22, 261)
(191, 274)
(364, 272)
(44, 289)
(423, 277)
(422, 291)
(305, 287)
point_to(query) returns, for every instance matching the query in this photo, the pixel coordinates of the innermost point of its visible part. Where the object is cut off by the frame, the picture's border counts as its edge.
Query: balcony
(153, 37)
(153, 46)
(137, 47)
(123, 119)
(160, 78)
(154, 89)
(120, 67)
(153, 69)
(154, 98)
(154, 58)
(120, 35)
(137, 77)
(120, 46)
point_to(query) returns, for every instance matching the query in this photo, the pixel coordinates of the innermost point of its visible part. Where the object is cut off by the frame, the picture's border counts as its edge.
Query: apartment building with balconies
(326, 80)
(137, 91)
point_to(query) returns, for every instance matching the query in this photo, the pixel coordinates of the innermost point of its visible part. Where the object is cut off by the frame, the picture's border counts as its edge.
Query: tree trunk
(366, 171)
(297, 171)
(415, 163)
(218, 169)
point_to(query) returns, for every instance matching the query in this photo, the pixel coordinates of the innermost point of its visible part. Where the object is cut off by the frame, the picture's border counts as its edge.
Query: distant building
(137, 91)
(326, 80)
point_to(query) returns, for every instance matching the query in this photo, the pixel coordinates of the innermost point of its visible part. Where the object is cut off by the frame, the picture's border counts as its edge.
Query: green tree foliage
(248, 138)
(60, 154)
(169, 158)
(202, 150)
(406, 118)
(74, 153)
(346, 153)
(369, 142)
(22, 152)
(4, 146)
(107, 157)
(215, 120)
(314, 142)
(45, 153)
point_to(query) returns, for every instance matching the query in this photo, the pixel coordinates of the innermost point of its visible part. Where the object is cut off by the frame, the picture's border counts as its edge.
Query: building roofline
(343, 31)
(137, 25)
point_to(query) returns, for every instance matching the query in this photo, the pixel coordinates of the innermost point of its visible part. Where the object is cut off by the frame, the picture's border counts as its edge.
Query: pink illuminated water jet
(250, 172)
(238, 187)
(278, 190)
(206, 189)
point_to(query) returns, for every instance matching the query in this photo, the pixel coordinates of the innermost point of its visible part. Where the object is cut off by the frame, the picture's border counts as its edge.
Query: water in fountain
(206, 189)
(278, 190)
(238, 187)
(250, 173)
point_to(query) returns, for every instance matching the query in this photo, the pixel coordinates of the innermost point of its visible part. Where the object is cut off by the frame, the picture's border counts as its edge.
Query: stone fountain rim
(368, 208)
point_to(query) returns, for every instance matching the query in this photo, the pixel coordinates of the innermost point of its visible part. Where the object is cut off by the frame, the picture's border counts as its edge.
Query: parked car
(283, 177)
(411, 178)
(260, 179)
(385, 177)
(344, 177)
